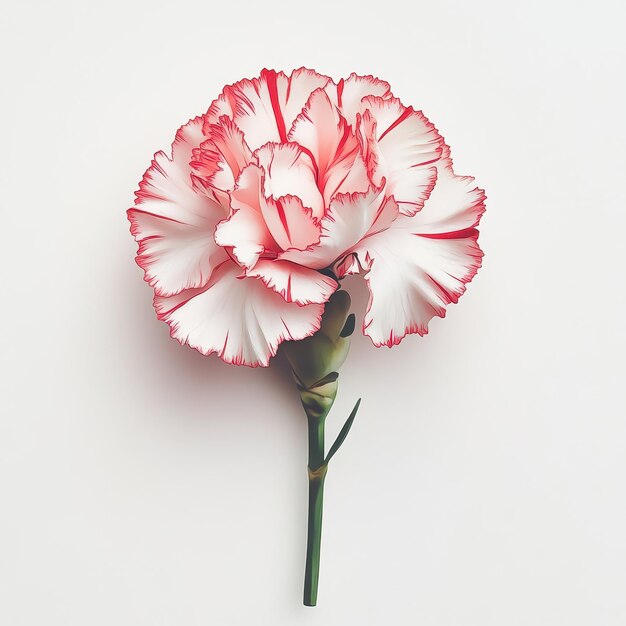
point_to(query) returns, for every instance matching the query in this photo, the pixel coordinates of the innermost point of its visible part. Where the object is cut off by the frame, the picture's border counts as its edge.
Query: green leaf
(343, 433)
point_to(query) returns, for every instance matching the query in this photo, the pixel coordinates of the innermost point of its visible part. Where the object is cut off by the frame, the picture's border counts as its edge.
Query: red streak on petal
(341, 182)
(401, 119)
(465, 233)
(426, 162)
(315, 167)
(283, 218)
(451, 297)
(161, 217)
(288, 295)
(381, 208)
(340, 93)
(272, 86)
(344, 139)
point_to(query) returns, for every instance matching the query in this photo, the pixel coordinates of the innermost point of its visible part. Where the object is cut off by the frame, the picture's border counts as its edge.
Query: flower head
(286, 185)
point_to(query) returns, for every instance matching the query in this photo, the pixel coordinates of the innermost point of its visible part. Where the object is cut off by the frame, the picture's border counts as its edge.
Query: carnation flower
(267, 201)
(286, 185)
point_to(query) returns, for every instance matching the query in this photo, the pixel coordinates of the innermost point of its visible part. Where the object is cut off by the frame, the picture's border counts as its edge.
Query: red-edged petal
(301, 84)
(401, 145)
(349, 219)
(290, 171)
(422, 263)
(173, 255)
(322, 131)
(239, 319)
(292, 225)
(294, 282)
(259, 223)
(174, 219)
(245, 229)
(356, 181)
(349, 265)
(454, 206)
(223, 155)
(264, 108)
(347, 94)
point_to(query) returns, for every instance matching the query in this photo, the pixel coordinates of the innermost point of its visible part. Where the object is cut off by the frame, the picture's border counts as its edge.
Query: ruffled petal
(401, 145)
(347, 94)
(221, 158)
(294, 282)
(292, 225)
(422, 263)
(239, 319)
(174, 255)
(357, 180)
(322, 131)
(264, 108)
(300, 85)
(350, 218)
(259, 224)
(290, 171)
(174, 219)
(454, 206)
(245, 230)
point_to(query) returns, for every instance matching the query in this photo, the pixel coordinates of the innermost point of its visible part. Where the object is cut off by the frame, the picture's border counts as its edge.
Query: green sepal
(316, 357)
(317, 401)
(348, 328)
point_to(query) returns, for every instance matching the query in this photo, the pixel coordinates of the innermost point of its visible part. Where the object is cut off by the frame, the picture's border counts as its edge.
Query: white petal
(347, 94)
(454, 205)
(223, 155)
(173, 255)
(403, 146)
(321, 131)
(350, 218)
(174, 219)
(167, 188)
(290, 171)
(294, 282)
(245, 230)
(259, 223)
(240, 319)
(292, 226)
(412, 277)
(356, 180)
(264, 108)
(301, 84)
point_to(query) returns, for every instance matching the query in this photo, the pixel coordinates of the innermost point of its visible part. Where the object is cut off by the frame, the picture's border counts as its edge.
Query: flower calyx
(315, 360)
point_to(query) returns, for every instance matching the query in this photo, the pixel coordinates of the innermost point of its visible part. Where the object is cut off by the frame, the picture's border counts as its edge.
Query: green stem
(317, 472)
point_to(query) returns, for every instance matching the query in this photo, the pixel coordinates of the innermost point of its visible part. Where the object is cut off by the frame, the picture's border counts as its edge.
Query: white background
(483, 481)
